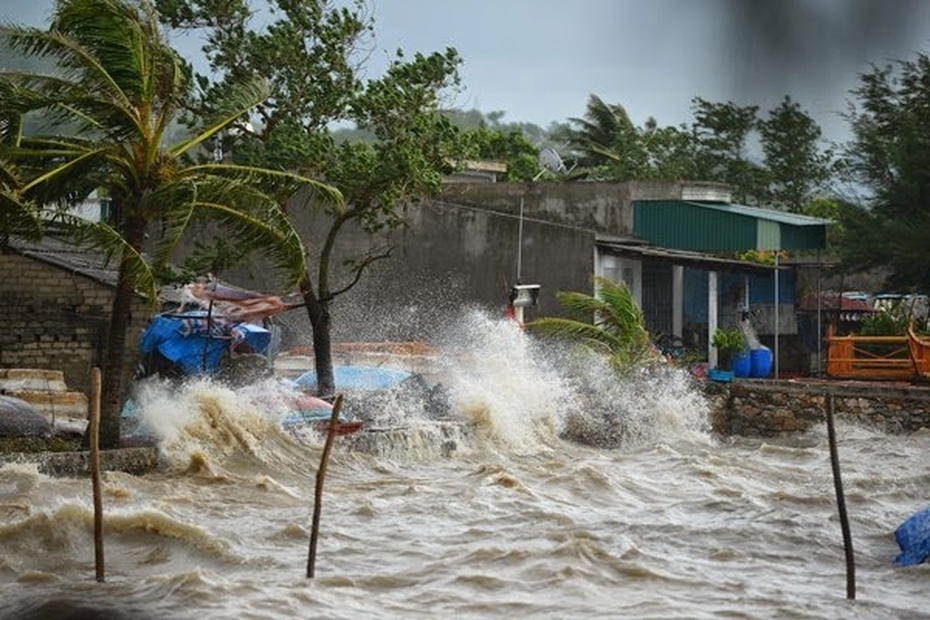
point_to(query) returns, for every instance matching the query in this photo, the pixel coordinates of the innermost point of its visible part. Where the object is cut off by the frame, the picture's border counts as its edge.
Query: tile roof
(90, 263)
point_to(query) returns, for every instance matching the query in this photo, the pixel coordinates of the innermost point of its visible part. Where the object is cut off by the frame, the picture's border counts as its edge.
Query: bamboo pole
(318, 495)
(841, 504)
(95, 473)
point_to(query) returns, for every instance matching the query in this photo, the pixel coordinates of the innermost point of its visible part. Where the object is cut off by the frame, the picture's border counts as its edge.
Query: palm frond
(76, 66)
(173, 204)
(19, 217)
(585, 334)
(109, 39)
(610, 323)
(101, 237)
(274, 182)
(236, 101)
(64, 168)
(268, 230)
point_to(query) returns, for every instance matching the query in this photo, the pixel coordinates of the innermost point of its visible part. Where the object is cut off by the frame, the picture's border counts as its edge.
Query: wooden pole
(318, 495)
(841, 504)
(95, 472)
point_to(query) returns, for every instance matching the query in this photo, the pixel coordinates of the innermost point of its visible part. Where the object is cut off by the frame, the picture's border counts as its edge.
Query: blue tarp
(913, 537)
(359, 378)
(181, 339)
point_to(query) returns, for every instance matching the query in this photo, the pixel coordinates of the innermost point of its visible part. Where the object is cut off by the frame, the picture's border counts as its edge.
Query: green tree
(609, 323)
(721, 132)
(509, 147)
(309, 53)
(670, 152)
(889, 156)
(119, 85)
(797, 165)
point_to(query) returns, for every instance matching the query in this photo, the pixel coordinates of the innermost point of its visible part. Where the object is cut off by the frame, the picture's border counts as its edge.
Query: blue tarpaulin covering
(182, 338)
(359, 378)
(913, 537)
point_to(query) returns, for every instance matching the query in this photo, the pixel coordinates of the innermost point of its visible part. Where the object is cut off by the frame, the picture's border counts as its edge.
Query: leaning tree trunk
(322, 343)
(120, 318)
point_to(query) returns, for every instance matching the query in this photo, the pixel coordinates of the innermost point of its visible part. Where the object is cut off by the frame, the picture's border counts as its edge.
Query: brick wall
(55, 319)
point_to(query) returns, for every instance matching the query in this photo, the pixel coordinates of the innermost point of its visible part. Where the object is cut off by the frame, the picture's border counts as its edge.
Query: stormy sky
(538, 60)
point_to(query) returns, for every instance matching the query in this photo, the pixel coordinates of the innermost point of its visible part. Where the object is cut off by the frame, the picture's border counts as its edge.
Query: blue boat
(359, 378)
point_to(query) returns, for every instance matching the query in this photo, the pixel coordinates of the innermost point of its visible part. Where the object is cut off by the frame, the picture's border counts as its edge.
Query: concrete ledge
(135, 461)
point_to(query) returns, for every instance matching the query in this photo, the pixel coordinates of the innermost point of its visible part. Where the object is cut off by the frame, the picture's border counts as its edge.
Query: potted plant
(729, 343)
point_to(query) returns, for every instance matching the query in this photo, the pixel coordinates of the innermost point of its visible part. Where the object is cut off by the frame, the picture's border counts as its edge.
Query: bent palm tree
(116, 87)
(606, 136)
(609, 324)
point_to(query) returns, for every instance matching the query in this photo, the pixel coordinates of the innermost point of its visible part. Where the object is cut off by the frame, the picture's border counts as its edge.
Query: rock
(19, 419)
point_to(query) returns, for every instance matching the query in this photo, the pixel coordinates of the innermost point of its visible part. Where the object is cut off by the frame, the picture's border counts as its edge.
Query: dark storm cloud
(777, 47)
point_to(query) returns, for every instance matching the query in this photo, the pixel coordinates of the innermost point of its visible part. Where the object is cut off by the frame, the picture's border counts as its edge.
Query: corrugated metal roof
(782, 217)
(712, 227)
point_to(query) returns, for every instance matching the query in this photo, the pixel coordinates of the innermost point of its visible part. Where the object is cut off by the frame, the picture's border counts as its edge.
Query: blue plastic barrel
(741, 364)
(760, 363)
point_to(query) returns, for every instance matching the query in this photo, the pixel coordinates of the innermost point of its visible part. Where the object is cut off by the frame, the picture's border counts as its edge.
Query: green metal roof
(710, 227)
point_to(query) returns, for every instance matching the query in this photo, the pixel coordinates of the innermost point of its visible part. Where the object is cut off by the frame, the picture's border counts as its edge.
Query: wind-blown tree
(609, 323)
(607, 143)
(889, 156)
(797, 165)
(310, 54)
(669, 151)
(116, 86)
(720, 132)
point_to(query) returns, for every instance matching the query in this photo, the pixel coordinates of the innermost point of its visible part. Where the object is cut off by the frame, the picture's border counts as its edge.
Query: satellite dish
(551, 161)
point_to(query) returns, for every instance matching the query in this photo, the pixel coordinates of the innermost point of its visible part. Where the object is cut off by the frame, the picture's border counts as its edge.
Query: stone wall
(767, 408)
(56, 319)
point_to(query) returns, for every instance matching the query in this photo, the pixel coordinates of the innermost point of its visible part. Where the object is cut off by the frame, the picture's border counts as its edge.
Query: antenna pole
(520, 242)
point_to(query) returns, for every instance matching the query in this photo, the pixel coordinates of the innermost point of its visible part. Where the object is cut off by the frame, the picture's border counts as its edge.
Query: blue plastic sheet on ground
(913, 537)
(359, 378)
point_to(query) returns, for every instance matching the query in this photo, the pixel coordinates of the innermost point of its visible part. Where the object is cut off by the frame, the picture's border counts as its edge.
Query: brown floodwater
(490, 514)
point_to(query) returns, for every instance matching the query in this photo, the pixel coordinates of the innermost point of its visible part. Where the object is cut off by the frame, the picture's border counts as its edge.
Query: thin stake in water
(318, 495)
(841, 504)
(94, 431)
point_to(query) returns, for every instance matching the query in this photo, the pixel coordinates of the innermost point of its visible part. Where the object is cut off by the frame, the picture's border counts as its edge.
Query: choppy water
(669, 521)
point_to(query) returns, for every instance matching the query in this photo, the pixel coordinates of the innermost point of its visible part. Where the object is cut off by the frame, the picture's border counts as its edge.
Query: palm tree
(114, 91)
(609, 323)
(607, 137)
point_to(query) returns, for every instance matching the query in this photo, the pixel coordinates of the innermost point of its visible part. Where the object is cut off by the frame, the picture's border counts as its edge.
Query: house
(55, 305)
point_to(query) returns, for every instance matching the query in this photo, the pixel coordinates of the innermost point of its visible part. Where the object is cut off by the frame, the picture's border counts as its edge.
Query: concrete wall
(55, 319)
(461, 249)
(766, 408)
(458, 250)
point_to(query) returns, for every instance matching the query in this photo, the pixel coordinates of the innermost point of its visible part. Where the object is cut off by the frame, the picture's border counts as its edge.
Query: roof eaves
(686, 257)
